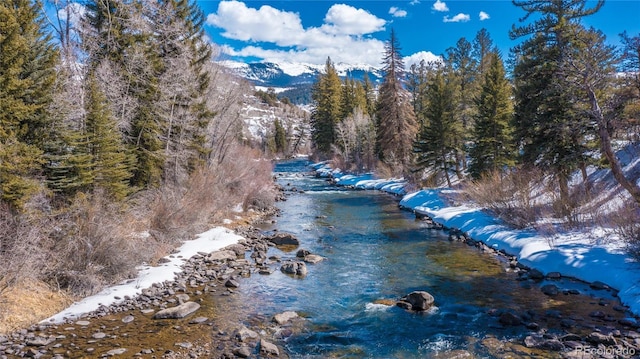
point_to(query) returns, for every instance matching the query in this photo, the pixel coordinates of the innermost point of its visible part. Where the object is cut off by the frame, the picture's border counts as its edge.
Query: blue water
(375, 251)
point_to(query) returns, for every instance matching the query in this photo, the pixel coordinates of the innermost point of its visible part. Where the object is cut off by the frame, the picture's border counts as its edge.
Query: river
(375, 252)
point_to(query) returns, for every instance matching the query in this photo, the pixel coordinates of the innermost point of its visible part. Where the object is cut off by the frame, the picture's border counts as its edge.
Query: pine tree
(483, 47)
(109, 158)
(548, 127)
(27, 74)
(436, 144)
(280, 137)
(327, 93)
(397, 125)
(464, 69)
(493, 147)
(370, 97)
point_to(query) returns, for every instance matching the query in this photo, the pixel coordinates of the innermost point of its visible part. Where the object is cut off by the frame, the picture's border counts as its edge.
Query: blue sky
(354, 31)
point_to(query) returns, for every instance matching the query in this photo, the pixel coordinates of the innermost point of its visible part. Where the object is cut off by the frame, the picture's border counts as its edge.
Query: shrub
(510, 196)
(626, 224)
(92, 246)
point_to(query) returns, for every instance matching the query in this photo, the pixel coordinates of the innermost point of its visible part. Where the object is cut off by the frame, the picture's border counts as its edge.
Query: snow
(578, 254)
(210, 241)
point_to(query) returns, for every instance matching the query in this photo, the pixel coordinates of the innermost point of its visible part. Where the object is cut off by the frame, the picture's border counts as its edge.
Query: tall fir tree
(27, 74)
(397, 124)
(463, 69)
(493, 146)
(436, 145)
(104, 144)
(483, 47)
(548, 127)
(326, 113)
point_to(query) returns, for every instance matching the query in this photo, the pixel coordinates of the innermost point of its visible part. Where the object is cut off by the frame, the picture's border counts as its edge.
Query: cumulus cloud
(342, 36)
(396, 12)
(483, 16)
(440, 6)
(458, 18)
(265, 24)
(347, 20)
(427, 56)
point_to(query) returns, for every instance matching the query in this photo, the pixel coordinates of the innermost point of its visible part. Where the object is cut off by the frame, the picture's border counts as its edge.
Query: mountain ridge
(290, 74)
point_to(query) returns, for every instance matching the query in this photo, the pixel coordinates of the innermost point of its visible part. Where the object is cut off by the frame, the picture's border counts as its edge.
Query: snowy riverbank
(575, 254)
(209, 241)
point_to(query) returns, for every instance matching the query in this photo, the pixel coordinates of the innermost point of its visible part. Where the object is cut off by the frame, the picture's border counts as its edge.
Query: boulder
(281, 238)
(419, 300)
(245, 334)
(178, 312)
(535, 274)
(301, 253)
(282, 318)
(510, 319)
(294, 267)
(268, 349)
(550, 289)
(313, 258)
(223, 255)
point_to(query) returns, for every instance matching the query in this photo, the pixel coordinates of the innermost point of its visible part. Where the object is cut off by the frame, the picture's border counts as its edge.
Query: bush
(93, 246)
(509, 196)
(211, 193)
(626, 224)
(21, 242)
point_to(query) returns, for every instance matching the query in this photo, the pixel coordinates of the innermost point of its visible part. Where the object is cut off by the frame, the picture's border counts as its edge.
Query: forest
(562, 101)
(119, 138)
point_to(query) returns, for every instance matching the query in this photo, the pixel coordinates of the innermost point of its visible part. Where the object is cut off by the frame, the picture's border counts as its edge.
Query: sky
(354, 32)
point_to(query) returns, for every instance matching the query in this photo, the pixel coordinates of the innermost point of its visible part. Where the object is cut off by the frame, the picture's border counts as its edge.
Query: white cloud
(265, 24)
(345, 19)
(342, 36)
(483, 16)
(396, 12)
(440, 6)
(414, 2)
(458, 18)
(427, 56)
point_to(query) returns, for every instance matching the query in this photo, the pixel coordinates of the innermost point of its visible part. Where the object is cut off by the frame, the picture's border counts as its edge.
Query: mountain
(295, 78)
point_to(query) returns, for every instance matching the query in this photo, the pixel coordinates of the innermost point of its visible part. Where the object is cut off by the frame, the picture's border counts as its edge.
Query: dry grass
(29, 301)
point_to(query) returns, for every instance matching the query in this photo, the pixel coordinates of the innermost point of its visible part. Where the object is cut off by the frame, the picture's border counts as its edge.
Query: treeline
(113, 110)
(567, 95)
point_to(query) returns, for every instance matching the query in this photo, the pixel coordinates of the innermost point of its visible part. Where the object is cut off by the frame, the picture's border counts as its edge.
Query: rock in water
(178, 312)
(282, 318)
(419, 300)
(284, 239)
(295, 268)
(313, 258)
(268, 349)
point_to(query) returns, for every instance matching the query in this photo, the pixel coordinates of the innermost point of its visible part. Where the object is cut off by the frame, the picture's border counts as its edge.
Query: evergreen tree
(280, 137)
(27, 75)
(436, 144)
(492, 136)
(548, 127)
(109, 158)
(463, 69)
(370, 96)
(327, 93)
(483, 47)
(397, 125)
(417, 86)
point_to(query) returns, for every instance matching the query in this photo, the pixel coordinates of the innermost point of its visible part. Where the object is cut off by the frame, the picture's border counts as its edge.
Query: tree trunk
(607, 150)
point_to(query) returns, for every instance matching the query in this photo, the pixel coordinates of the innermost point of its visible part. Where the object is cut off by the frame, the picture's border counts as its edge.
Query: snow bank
(209, 241)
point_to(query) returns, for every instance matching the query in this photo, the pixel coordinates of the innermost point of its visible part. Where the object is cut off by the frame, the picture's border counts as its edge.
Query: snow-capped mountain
(287, 75)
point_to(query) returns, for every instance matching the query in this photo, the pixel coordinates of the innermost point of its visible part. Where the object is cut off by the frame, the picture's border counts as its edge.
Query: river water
(374, 252)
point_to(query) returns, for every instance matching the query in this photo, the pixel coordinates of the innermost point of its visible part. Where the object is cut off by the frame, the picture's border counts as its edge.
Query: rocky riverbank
(191, 316)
